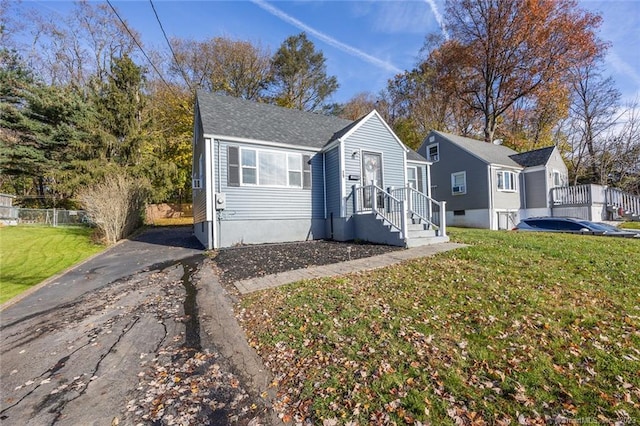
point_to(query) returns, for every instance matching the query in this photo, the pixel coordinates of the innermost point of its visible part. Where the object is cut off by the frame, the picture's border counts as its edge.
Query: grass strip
(31, 254)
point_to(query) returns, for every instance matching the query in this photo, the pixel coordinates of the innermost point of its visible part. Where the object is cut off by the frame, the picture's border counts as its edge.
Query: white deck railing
(579, 195)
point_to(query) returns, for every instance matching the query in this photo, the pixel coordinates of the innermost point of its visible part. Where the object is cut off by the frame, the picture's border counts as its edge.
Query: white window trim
(557, 173)
(257, 168)
(453, 182)
(242, 167)
(504, 174)
(429, 157)
(300, 171)
(416, 174)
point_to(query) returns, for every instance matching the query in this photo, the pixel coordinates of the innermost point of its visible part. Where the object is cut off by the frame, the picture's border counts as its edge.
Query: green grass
(516, 327)
(31, 254)
(630, 225)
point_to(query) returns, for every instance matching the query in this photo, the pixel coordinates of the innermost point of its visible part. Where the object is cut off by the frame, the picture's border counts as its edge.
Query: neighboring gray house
(263, 173)
(491, 186)
(544, 169)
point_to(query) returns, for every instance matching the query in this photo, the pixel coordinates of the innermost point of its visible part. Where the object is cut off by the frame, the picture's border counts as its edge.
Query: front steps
(418, 234)
(376, 229)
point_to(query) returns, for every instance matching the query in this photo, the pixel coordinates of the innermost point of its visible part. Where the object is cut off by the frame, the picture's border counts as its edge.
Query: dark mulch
(239, 263)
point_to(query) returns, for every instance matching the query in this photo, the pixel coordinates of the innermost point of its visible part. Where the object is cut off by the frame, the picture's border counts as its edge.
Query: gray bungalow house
(264, 174)
(490, 185)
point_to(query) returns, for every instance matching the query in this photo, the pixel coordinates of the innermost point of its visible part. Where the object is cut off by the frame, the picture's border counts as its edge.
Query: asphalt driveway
(139, 333)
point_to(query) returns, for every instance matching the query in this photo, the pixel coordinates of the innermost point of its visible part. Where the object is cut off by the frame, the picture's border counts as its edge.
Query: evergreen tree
(300, 75)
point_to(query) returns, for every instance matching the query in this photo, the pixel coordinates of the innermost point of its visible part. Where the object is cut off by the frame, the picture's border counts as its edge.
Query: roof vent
(497, 141)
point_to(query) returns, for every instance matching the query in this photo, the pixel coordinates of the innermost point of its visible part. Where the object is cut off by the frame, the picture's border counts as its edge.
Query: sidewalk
(365, 264)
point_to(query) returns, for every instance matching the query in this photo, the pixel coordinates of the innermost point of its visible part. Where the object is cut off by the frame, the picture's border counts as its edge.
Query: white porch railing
(425, 208)
(398, 204)
(374, 199)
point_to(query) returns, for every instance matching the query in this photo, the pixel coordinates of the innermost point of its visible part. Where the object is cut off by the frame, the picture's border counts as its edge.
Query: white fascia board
(418, 162)
(330, 146)
(534, 169)
(261, 142)
(504, 166)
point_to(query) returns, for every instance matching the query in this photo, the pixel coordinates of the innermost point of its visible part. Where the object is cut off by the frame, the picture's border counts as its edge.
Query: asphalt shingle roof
(537, 157)
(239, 118)
(487, 152)
(233, 117)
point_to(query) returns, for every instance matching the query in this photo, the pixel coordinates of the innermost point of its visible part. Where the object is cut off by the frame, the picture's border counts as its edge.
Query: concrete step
(424, 241)
(415, 226)
(421, 233)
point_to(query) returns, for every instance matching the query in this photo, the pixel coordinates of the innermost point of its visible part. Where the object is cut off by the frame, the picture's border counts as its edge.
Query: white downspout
(490, 180)
(343, 201)
(324, 183)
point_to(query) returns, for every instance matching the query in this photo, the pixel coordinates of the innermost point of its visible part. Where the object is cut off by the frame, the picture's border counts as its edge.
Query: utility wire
(143, 52)
(173, 53)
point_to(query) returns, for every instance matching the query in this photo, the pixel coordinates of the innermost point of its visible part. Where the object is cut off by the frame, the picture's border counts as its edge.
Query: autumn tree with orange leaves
(507, 51)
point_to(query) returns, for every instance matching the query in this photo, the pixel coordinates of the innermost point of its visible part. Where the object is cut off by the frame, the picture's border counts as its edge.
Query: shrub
(115, 205)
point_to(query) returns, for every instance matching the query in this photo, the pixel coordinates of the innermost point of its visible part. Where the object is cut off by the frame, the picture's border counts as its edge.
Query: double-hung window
(433, 152)
(412, 177)
(459, 183)
(261, 167)
(294, 166)
(506, 181)
(249, 167)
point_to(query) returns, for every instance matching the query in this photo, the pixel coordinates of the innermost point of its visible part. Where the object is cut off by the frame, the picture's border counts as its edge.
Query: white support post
(443, 218)
(403, 219)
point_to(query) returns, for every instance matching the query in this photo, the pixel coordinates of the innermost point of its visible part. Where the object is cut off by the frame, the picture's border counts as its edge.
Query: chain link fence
(47, 217)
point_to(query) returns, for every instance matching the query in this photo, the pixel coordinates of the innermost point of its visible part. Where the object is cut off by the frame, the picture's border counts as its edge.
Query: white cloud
(326, 38)
(439, 18)
(622, 67)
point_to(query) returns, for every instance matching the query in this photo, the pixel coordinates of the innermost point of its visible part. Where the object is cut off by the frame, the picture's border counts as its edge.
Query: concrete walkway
(365, 264)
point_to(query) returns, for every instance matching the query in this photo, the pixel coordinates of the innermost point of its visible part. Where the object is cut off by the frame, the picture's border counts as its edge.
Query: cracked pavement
(141, 334)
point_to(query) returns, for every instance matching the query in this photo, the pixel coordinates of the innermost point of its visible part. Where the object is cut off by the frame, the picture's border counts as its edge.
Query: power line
(173, 53)
(141, 49)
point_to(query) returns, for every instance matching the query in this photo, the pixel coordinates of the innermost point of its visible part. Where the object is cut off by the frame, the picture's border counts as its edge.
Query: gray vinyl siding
(332, 170)
(452, 160)
(535, 189)
(265, 203)
(505, 200)
(556, 163)
(199, 195)
(373, 136)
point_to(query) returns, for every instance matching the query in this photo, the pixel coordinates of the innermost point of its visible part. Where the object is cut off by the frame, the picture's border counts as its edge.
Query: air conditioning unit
(459, 189)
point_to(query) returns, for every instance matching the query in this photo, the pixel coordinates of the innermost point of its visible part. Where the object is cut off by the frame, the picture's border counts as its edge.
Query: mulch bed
(250, 261)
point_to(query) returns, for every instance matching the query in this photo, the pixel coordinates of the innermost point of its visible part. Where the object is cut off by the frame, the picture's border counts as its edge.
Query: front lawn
(518, 328)
(31, 254)
(630, 225)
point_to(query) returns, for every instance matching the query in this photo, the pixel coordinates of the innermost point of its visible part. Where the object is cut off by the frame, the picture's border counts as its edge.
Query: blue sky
(364, 42)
